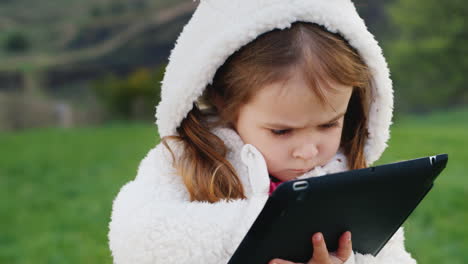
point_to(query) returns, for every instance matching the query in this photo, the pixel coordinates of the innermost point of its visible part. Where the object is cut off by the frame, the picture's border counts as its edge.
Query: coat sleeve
(393, 252)
(150, 224)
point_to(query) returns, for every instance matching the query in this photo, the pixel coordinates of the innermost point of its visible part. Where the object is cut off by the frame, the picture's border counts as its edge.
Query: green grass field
(57, 187)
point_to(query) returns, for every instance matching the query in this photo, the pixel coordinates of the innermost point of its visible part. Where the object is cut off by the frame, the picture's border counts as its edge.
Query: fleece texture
(153, 219)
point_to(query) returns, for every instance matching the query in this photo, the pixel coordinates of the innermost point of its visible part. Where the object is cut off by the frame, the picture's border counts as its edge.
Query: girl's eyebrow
(293, 126)
(336, 117)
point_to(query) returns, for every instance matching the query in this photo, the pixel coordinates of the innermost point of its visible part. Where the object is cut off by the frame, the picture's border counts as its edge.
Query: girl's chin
(286, 176)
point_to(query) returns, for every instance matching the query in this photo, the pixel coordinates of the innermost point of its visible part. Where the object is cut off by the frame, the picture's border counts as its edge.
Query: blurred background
(79, 81)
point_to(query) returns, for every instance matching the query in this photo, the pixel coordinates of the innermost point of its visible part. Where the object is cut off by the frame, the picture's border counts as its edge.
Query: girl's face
(291, 127)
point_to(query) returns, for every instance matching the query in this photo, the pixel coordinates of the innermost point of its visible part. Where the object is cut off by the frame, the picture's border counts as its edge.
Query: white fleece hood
(219, 28)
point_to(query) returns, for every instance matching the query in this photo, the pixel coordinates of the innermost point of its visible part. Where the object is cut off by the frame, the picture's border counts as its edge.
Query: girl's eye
(280, 132)
(334, 124)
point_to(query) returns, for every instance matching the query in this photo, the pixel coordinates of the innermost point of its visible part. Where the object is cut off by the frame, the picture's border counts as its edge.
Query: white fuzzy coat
(152, 219)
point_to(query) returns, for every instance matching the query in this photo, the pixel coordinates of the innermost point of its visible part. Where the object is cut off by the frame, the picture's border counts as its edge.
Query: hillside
(64, 43)
(53, 26)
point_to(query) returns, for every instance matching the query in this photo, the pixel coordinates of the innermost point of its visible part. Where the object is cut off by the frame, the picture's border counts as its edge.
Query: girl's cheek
(280, 144)
(276, 150)
(332, 144)
(283, 151)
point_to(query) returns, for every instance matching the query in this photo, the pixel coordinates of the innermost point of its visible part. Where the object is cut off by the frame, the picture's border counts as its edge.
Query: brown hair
(319, 54)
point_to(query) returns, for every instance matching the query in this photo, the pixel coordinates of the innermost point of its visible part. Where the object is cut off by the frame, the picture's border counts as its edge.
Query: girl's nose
(305, 152)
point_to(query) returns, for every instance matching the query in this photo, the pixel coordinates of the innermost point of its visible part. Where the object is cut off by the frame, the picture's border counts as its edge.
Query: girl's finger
(320, 249)
(280, 261)
(345, 247)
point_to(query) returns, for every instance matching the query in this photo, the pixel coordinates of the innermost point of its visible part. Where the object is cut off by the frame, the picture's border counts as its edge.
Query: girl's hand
(321, 255)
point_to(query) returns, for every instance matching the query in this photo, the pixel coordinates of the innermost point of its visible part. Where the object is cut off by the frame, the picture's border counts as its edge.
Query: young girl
(257, 92)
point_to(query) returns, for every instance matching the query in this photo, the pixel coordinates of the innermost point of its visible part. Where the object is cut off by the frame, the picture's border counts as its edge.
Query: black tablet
(372, 203)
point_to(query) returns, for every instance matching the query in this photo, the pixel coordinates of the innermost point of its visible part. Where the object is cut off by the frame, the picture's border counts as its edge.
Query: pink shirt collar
(274, 183)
